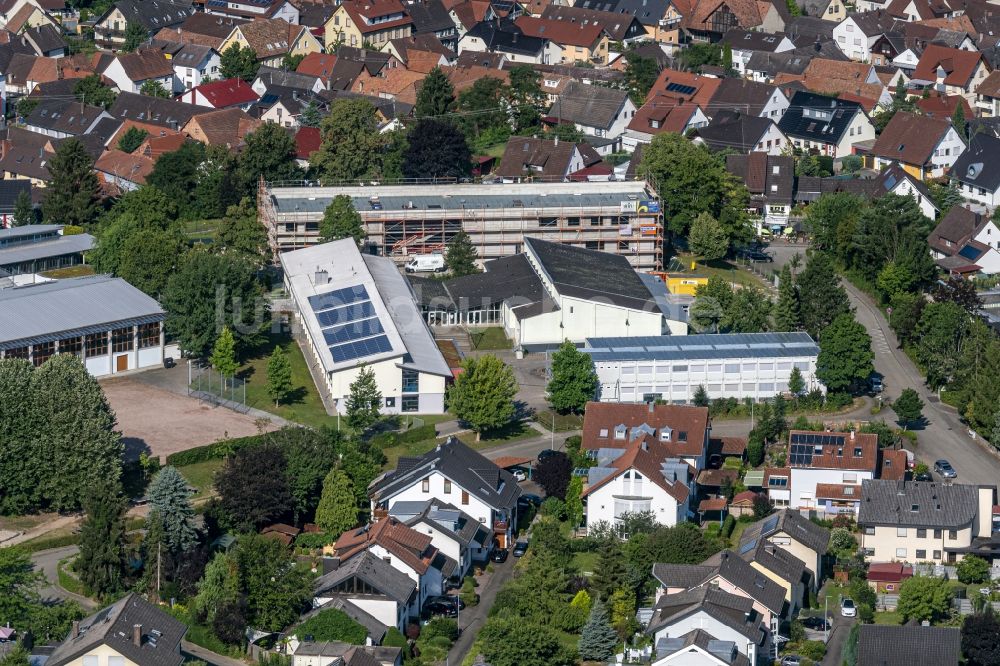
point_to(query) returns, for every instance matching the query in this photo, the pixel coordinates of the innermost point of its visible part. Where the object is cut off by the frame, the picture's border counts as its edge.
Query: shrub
(728, 525)
(973, 569)
(215, 451)
(333, 625)
(312, 540)
(468, 594)
(440, 627)
(554, 507)
(814, 650)
(842, 540)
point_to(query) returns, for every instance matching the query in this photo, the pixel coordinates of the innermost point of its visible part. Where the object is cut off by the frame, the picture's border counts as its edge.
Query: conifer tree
(786, 308)
(364, 401)
(224, 354)
(170, 496)
(598, 640)
(337, 511)
(461, 255)
(279, 375)
(436, 96)
(102, 563)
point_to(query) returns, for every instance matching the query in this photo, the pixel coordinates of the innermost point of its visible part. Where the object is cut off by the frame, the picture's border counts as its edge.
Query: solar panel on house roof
(338, 297)
(681, 88)
(770, 524)
(345, 314)
(352, 350)
(352, 331)
(969, 252)
(748, 546)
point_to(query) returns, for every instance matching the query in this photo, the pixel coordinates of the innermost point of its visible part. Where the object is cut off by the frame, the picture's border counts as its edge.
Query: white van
(426, 263)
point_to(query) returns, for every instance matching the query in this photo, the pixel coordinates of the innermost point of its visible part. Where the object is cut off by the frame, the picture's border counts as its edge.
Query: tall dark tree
(939, 338)
(483, 119)
(217, 188)
(239, 62)
(24, 210)
(102, 563)
(958, 120)
(177, 173)
(309, 457)
(845, 354)
(73, 192)
(957, 290)
(170, 497)
(240, 233)
(253, 488)
(553, 474)
(269, 153)
(598, 640)
(821, 298)
(525, 98)
(436, 97)
(461, 255)
(310, 116)
(786, 308)
(91, 90)
(437, 149)
(979, 638)
(640, 75)
(135, 35)
(341, 220)
(132, 139)
(609, 572)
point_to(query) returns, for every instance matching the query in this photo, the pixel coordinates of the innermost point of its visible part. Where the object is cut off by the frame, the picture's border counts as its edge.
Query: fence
(206, 383)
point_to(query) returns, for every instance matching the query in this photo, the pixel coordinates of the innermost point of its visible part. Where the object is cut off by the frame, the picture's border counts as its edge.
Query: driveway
(944, 435)
(838, 639)
(47, 562)
(472, 619)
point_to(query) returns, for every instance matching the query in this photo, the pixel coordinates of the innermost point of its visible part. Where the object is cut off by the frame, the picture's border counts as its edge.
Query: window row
(92, 344)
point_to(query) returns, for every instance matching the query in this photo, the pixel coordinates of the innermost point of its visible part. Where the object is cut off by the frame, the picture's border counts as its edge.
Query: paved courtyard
(161, 422)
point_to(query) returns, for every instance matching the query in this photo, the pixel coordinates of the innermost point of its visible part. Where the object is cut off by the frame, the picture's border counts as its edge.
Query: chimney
(75, 631)
(557, 140)
(818, 46)
(852, 435)
(321, 277)
(137, 635)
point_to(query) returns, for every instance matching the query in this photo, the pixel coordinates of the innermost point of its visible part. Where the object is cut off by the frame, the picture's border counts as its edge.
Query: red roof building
(228, 93)
(888, 576)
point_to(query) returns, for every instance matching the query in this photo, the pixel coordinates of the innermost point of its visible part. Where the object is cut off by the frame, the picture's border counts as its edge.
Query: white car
(848, 609)
(519, 475)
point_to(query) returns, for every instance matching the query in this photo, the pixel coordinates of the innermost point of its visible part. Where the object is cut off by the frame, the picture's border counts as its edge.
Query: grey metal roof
(113, 626)
(707, 346)
(46, 248)
(28, 229)
(917, 504)
(382, 576)
(887, 645)
(51, 310)
(467, 468)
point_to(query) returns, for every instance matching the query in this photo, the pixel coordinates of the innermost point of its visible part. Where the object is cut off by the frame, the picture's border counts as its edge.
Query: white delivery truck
(426, 263)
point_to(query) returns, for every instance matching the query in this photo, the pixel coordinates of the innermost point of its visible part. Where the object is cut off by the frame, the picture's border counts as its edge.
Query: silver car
(944, 468)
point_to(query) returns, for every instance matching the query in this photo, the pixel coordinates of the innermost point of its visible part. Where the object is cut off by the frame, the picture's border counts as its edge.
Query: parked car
(440, 608)
(923, 476)
(426, 263)
(847, 608)
(447, 599)
(817, 623)
(545, 454)
(499, 555)
(520, 548)
(875, 383)
(519, 475)
(714, 461)
(944, 468)
(758, 255)
(529, 498)
(791, 660)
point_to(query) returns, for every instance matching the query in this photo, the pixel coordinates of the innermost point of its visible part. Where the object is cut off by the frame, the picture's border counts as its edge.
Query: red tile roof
(958, 65)
(360, 10)
(859, 451)
(745, 498)
(893, 464)
(943, 106)
(669, 113)
(838, 491)
(318, 64)
(404, 542)
(601, 418)
(227, 92)
(307, 142)
(910, 138)
(712, 504)
(889, 572)
(674, 83)
(512, 461)
(561, 32)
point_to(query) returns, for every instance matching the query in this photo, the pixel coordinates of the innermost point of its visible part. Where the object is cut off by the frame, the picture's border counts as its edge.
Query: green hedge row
(46, 543)
(422, 433)
(215, 451)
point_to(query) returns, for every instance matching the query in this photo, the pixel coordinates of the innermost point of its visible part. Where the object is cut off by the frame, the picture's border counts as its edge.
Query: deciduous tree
(19, 583)
(153, 88)
(364, 402)
(351, 145)
(24, 210)
(341, 220)
(979, 638)
(707, 238)
(908, 407)
(239, 62)
(241, 233)
(973, 569)
(177, 174)
(705, 314)
(277, 591)
(279, 375)
(845, 354)
(640, 75)
(269, 152)
(337, 510)
(483, 394)
(224, 354)
(132, 139)
(553, 474)
(135, 35)
(252, 487)
(940, 333)
(924, 598)
(91, 90)
(574, 380)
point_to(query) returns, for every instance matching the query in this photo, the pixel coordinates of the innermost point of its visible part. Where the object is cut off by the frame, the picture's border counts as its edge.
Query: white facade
(186, 77)
(978, 194)
(286, 12)
(855, 44)
(550, 53)
(437, 486)
(718, 630)
(630, 492)
(947, 151)
(624, 116)
(741, 56)
(117, 74)
(776, 106)
(773, 142)
(804, 480)
(905, 187)
(578, 319)
(861, 129)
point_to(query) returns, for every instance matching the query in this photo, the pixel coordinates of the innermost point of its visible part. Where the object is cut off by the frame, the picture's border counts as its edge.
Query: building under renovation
(403, 220)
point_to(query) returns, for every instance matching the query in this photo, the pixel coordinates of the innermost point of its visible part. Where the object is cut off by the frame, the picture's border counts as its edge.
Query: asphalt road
(472, 619)
(943, 435)
(47, 562)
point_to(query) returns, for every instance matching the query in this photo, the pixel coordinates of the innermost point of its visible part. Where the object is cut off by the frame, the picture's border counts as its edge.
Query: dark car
(168, 362)
(545, 454)
(924, 476)
(440, 608)
(520, 548)
(447, 599)
(757, 255)
(499, 555)
(529, 499)
(817, 623)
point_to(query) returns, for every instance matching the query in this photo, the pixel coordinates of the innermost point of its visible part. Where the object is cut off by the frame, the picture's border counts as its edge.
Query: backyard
(486, 339)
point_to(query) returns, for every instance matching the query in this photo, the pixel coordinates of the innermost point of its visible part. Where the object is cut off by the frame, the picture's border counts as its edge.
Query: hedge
(728, 525)
(215, 451)
(46, 543)
(422, 433)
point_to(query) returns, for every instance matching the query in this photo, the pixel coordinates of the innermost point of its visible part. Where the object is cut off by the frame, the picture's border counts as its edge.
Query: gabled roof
(978, 165)
(133, 167)
(650, 458)
(362, 13)
(833, 450)
(682, 575)
(377, 573)
(748, 13)
(617, 27)
(734, 611)
(67, 116)
(227, 92)
(429, 17)
(738, 572)
(446, 518)
(669, 113)
(794, 525)
(507, 39)
(943, 106)
(734, 131)
(224, 127)
(153, 14)
(918, 504)
(647, 12)
(753, 40)
(270, 37)
(591, 106)
(887, 645)
(114, 626)
(467, 468)
(27, 154)
(771, 177)
(318, 64)
(829, 130)
(723, 652)
(685, 85)
(958, 66)
(536, 156)
(743, 95)
(911, 138)
(560, 32)
(407, 544)
(958, 226)
(146, 64)
(686, 424)
(990, 87)
(153, 110)
(273, 76)
(893, 466)
(45, 38)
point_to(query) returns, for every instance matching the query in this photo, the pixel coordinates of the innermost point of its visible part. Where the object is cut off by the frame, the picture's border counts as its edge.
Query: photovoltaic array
(349, 324)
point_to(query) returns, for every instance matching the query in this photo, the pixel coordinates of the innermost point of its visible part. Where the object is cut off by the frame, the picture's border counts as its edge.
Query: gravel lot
(159, 422)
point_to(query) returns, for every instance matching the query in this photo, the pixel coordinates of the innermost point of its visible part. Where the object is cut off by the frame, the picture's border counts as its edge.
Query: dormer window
(603, 432)
(857, 451)
(682, 436)
(665, 434)
(914, 508)
(620, 432)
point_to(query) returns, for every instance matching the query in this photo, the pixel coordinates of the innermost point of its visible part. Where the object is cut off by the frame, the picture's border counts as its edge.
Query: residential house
(203, 29)
(224, 94)
(686, 86)
(337, 653)
(129, 631)
(790, 531)
(742, 133)
(825, 125)
(359, 23)
(843, 78)
(272, 39)
(771, 181)
(944, 106)
(988, 95)
(889, 645)
(318, 65)
(46, 40)
(731, 573)
(699, 645)
(709, 21)
(453, 471)
(893, 180)
(594, 110)
(152, 15)
(662, 113)
(509, 42)
(420, 52)
(750, 98)
(925, 147)
(61, 118)
(546, 159)
(659, 18)
(857, 34)
(783, 568)
(886, 577)
(638, 478)
(25, 156)
(284, 106)
(578, 42)
(950, 71)
(431, 19)
(10, 190)
(467, 14)
(24, 72)
(845, 458)
(765, 67)
(222, 127)
(976, 173)
(121, 171)
(720, 614)
(828, 10)
(305, 83)
(30, 15)
(965, 242)
(192, 63)
(372, 584)
(453, 532)
(624, 28)
(923, 521)
(282, 10)
(744, 43)
(130, 71)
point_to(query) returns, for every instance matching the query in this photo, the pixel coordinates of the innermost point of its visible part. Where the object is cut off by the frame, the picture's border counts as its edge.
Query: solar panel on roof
(770, 524)
(748, 546)
(338, 297)
(969, 252)
(681, 88)
(359, 349)
(352, 331)
(346, 314)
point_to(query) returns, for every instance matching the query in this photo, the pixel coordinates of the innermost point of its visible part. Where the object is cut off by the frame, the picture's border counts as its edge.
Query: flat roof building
(671, 368)
(400, 220)
(109, 324)
(41, 247)
(358, 311)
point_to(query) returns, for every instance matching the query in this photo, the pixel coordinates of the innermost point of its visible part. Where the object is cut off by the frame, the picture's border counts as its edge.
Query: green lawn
(200, 476)
(305, 405)
(563, 422)
(68, 580)
(82, 270)
(888, 617)
(485, 339)
(734, 538)
(584, 562)
(722, 268)
(201, 231)
(512, 433)
(496, 150)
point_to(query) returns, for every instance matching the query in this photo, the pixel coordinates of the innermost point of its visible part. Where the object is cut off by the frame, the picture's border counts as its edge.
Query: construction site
(402, 220)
